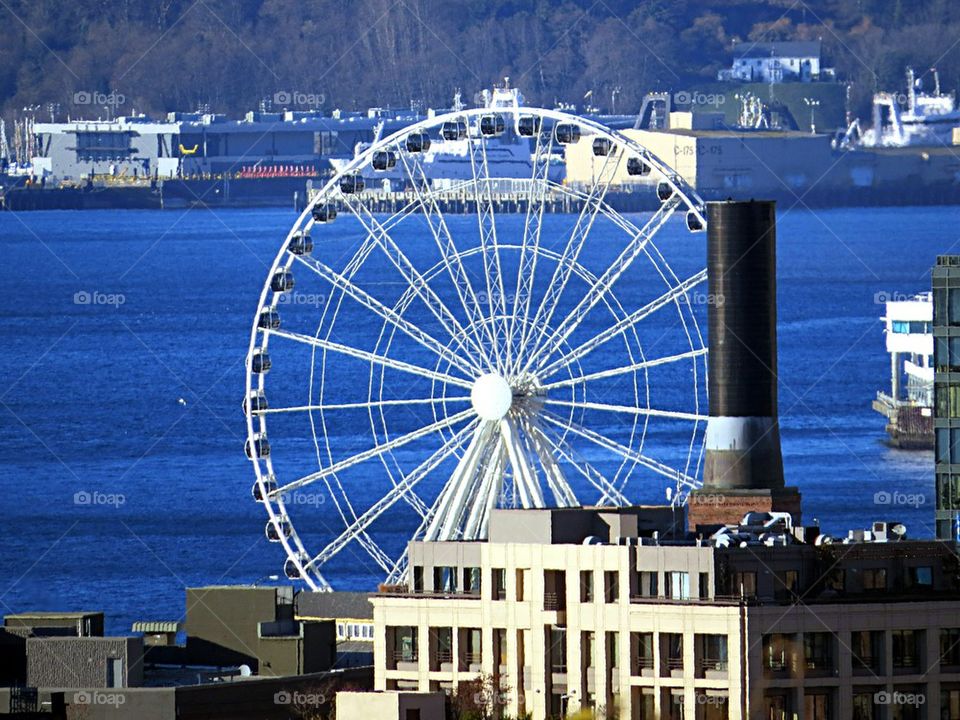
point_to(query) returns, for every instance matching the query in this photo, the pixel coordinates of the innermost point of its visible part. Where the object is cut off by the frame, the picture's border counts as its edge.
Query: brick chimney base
(725, 506)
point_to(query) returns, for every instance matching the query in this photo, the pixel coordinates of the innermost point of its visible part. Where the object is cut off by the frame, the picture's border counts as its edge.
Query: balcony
(443, 660)
(713, 668)
(674, 666)
(471, 661)
(643, 667)
(405, 661)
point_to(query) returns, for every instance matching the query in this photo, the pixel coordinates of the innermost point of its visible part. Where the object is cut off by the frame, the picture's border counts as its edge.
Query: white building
(797, 61)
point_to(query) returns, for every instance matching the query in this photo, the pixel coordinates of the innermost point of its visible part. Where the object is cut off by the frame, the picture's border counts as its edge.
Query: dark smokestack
(743, 467)
(743, 435)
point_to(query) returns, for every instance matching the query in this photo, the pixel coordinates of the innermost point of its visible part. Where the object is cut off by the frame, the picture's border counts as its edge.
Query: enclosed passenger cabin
(351, 184)
(492, 125)
(282, 281)
(291, 570)
(637, 167)
(255, 402)
(301, 243)
(418, 142)
(694, 223)
(278, 527)
(664, 191)
(384, 160)
(324, 213)
(453, 130)
(268, 320)
(602, 146)
(260, 362)
(269, 487)
(567, 133)
(528, 125)
(257, 447)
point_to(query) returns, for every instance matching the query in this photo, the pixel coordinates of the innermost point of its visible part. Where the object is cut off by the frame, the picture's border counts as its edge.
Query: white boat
(925, 119)
(908, 406)
(447, 162)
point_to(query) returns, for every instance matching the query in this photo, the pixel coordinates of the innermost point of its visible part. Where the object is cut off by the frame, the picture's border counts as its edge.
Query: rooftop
(789, 49)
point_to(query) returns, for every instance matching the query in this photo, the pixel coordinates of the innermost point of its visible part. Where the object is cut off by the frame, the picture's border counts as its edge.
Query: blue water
(90, 394)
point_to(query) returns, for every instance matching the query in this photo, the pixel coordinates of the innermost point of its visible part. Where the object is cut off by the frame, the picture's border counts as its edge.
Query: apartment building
(621, 611)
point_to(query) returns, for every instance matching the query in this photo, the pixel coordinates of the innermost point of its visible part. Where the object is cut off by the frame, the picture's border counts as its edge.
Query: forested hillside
(229, 55)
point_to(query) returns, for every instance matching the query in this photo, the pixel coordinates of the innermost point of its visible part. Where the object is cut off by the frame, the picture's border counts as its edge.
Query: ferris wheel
(411, 368)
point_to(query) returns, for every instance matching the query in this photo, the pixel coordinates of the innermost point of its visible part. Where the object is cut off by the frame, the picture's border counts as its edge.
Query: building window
(863, 706)
(406, 644)
(471, 580)
(816, 706)
(875, 579)
(611, 586)
(644, 652)
(909, 703)
(443, 647)
(678, 585)
(672, 651)
(586, 586)
(499, 584)
(588, 649)
(921, 576)
(613, 650)
(776, 653)
(818, 651)
(557, 639)
(648, 583)
(836, 580)
(445, 579)
(711, 651)
(950, 704)
(418, 578)
(787, 584)
(704, 586)
(745, 584)
(554, 590)
(950, 647)
(867, 651)
(500, 646)
(906, 649)
(522, 583)
(471, 648)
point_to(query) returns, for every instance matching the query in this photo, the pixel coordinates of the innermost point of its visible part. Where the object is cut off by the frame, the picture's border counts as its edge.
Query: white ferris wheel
(410, 369)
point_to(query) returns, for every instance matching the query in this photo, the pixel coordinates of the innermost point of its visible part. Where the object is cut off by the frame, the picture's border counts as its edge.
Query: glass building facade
(946, 355)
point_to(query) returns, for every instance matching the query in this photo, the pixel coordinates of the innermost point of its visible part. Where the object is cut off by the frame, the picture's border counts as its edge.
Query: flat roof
(52, 614)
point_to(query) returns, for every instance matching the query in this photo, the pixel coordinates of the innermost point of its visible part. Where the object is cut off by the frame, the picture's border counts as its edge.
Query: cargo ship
(908, 406)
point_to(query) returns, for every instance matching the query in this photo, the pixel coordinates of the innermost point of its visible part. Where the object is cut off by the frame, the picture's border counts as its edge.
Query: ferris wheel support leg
(524, 476)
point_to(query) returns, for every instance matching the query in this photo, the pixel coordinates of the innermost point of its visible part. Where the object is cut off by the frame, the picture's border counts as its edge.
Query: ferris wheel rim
(292, 544)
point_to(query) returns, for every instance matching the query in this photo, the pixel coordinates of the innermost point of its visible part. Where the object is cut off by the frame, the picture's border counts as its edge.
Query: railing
(644, 663)
(905, 662)
(407, 657)
(444, 656)
(715, 664)
(675, 663)
(23, 699)
(715, 600)
(552, 602)
(472, 658)
(865, 662)
(776, 665)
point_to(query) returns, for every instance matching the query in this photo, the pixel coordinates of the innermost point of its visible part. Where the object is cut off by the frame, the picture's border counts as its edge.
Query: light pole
(813, 105)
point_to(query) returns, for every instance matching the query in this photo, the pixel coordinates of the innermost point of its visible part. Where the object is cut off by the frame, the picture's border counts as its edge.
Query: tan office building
(610, 609)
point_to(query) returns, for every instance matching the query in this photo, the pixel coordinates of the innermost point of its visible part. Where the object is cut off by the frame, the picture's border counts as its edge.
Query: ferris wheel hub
(491, 396)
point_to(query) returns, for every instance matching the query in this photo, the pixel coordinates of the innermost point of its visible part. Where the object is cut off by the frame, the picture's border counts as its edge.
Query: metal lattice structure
(451, 365)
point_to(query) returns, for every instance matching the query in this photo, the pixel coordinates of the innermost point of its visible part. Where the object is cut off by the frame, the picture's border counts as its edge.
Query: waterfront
(97, 386)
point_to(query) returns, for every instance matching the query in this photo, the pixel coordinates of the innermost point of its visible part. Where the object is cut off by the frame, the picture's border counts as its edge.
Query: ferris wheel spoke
(563, 494)
(386, 447)
(592, 205)
(443, 239)
(627, 410)
(641, 365)
(530, 240)
(402, 402)
(621, 450)
(591, 474)
(604, 284)
(492, 269)
(404, 487)
(478, 523)
(468, 367)
(413, 277)
(371, 357)
(524, 472)
(623, 324)
(448, 512)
